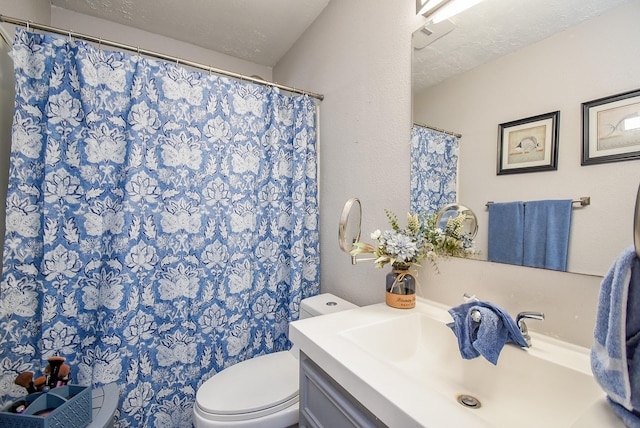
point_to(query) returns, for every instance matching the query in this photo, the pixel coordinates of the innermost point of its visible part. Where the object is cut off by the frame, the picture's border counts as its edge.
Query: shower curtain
(162, 224)
(434, 169)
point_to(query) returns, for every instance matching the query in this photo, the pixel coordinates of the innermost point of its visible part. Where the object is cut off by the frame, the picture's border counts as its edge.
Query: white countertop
(394, 398)
(367, 379)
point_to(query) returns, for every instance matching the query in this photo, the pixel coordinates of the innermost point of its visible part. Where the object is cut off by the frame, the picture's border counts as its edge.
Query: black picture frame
(611, 129)
(529, 145)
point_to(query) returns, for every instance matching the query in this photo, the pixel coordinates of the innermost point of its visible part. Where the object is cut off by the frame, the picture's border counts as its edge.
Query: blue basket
(64, 407)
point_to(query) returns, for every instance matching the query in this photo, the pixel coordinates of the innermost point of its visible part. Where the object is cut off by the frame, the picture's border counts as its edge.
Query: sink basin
(405, 366)
(522, 390)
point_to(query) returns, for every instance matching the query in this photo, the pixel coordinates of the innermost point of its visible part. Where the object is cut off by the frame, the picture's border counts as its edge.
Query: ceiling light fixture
(439, 10)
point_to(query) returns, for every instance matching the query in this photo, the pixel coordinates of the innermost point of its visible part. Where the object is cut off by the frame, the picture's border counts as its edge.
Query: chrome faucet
(523, 327)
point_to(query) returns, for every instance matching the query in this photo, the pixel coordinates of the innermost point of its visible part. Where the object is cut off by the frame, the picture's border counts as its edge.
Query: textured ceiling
(260, 31)
(494, 28)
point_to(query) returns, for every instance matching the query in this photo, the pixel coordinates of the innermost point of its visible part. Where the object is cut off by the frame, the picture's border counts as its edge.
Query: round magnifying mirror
(469, 224)
(349, 228)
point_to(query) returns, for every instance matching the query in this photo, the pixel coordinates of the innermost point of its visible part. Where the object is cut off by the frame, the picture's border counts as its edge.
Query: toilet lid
(258, 387)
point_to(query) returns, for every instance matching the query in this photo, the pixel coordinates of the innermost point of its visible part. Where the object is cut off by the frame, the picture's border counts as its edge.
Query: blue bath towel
(615, 354)
(506, 232)
(546, 233)
(487, 336)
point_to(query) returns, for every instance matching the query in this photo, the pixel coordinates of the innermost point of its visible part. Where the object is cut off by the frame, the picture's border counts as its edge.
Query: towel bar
(583, 201)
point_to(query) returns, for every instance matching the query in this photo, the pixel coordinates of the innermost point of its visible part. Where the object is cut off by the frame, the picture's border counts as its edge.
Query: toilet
(261, 392)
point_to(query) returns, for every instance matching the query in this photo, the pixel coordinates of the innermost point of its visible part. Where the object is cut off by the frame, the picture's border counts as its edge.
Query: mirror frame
(458, 209)
(347, 222)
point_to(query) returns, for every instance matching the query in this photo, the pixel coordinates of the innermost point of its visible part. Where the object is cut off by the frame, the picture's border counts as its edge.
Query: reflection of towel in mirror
(546, 233)
(615, 354)
(486, 337)
(506, 232)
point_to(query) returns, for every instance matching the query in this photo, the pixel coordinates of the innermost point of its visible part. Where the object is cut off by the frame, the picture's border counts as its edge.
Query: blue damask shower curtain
(434, 169)
(162, 224)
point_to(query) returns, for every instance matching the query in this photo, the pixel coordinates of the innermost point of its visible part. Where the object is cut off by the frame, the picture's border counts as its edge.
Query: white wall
(590, 61)
(33, 10)
(358, 55)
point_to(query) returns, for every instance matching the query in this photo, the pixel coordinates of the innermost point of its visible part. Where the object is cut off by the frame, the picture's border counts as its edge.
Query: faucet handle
(523, 327)
(528, 314)
(470, 298)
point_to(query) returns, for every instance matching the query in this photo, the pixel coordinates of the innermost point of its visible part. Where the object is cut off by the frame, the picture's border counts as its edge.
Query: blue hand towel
(487, 336)
(546, 233)
(506, 232)
(615, 354)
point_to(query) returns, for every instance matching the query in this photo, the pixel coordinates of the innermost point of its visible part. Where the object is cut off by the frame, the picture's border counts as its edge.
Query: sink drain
(469, 401)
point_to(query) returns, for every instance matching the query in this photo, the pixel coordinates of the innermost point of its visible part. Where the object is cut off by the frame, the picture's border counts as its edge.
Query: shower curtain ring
(28, 23)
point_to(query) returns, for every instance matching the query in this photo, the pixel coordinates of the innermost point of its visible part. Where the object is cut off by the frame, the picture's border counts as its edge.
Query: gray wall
(586, 62)
(36, 11)
(358, 54)
(6, 105)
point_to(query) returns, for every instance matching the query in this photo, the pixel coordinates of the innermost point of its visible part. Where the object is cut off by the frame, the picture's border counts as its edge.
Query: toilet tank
(323, 304)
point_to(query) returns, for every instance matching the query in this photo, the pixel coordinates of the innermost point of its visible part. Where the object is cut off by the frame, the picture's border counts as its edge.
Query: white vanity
(402, 368)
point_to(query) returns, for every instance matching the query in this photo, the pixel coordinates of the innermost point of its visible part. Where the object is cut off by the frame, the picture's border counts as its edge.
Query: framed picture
(611, 129)
(529, 145)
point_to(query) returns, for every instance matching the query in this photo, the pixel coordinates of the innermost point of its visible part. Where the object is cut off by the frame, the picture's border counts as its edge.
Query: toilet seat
(251, 389)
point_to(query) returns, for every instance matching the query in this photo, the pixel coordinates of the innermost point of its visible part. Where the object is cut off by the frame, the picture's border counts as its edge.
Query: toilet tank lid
(325, 303)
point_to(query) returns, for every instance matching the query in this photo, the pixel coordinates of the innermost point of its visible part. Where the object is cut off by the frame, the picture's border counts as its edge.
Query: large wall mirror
(502, 61)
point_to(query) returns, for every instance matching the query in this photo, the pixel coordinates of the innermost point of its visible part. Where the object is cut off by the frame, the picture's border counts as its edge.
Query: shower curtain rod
(139, 51)
(433, 128)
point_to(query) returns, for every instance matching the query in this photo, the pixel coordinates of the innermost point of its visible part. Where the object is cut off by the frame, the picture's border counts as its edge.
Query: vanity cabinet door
(325, 404)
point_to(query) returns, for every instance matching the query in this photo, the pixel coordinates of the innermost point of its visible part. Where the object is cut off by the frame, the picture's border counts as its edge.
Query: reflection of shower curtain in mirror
(162, 224)
(434, 169)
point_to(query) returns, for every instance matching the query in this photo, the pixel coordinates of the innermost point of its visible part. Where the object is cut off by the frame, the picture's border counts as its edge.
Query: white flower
(105, 144)
(376, 234)
(99, 366)
(143, 118)
(180, 281)
(141, 257)
(240, 278)
(60, 339)
(179, 348)
(181, 150)
(27, 136)
(141, 327)
(19, 297)
(104, 216)
(61, 262)
(215, 255)
(63, 107)
(238, 339)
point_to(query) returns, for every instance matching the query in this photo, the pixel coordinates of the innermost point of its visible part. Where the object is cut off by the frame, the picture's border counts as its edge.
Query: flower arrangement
(420, 239)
